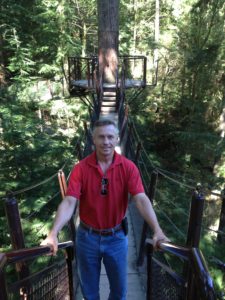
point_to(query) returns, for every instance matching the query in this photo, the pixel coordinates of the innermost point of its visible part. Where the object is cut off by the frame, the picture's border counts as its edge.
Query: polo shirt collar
(92, 160)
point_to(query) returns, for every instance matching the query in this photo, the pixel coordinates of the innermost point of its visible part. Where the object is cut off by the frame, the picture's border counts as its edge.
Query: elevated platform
(85, 77)
(89, 85)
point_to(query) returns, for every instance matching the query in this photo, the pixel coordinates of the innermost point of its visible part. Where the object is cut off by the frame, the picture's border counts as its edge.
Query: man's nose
(106, 140)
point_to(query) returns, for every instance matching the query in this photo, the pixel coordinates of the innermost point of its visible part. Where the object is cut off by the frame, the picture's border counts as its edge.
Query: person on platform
(102, 183)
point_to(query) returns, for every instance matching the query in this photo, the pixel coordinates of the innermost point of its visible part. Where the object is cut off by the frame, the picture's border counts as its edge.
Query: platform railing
(53, 282)
(86, 68)
(82, 68)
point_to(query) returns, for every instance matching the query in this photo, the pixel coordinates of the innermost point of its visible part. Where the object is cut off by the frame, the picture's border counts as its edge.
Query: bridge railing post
(193, 238)
(69, 261)
(151, 195)
(3, 289)
(123, 118)
(63, 189)
(221, 237)
(16, 233)
(79, 151)
(128, 139)
(144, 70)
(138, 152)
(149, 250)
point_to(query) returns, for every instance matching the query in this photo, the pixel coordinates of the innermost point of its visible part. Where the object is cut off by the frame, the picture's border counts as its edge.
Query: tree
(108, 33)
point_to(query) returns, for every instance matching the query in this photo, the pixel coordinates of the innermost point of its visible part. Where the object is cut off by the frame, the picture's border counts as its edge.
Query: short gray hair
(104, 122)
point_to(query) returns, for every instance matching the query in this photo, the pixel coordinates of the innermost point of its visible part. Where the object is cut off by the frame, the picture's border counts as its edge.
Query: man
(101, 182)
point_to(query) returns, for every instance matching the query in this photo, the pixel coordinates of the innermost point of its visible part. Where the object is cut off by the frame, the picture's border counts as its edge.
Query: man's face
(105, 139)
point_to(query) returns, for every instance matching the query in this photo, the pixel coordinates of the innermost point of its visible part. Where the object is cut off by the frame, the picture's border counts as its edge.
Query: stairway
(108, 100)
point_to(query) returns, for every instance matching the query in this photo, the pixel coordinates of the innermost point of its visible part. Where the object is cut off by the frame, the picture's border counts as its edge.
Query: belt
(104, 232)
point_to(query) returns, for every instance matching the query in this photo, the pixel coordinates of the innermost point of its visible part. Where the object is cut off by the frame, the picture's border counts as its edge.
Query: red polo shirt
(104, 211)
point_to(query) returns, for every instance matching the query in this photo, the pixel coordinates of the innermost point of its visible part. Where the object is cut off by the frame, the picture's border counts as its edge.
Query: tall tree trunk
(156, 50)
(84, 40)
(2, 63)
(108, 33)
(135, 27)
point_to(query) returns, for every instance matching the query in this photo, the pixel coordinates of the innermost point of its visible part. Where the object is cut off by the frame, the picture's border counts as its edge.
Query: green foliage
(37, 138)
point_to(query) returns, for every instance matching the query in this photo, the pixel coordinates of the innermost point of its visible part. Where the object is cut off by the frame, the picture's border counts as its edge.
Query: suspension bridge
(178, 271)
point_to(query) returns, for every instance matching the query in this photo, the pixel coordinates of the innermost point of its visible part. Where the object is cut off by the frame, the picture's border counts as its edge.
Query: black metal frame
(202, 280)
(32, 253)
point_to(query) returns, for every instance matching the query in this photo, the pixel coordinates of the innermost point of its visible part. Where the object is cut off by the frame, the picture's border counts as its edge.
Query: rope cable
(213, 230)
(174, 174)
(162, 171)
(174, 205)
(35, 185)
(41, 182)
(170, 221)
(40, 208)
(176, 181)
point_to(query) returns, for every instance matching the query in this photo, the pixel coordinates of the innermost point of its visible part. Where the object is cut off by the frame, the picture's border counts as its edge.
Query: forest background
(183, 116)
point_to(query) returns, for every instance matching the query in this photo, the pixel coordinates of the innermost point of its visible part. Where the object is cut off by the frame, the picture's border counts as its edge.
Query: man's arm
(146, 210)
(63, 215)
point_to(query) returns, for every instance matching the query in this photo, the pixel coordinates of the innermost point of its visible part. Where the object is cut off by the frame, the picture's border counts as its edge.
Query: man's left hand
(159, 237)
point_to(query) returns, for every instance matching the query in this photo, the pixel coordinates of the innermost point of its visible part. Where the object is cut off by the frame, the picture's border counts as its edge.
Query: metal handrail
(31, 253)
(197, 263)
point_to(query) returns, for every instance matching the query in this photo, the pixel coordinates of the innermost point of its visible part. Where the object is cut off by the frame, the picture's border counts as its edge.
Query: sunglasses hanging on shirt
(104, 184)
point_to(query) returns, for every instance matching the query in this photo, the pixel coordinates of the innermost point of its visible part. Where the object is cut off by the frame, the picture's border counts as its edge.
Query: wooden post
(151, 195)
(123, 123)
(149, 271)
(195, 219)
(62, 183)
(3, 288)
(138, 152)
(193, 238)
(16, 233)
(70, 268)
(221, 237)
(63, 189)
(85, 128)
(127, 146)
(144, 70)
(79, 152)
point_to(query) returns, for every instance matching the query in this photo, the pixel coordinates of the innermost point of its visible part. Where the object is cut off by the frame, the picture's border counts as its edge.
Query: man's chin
(107, 151)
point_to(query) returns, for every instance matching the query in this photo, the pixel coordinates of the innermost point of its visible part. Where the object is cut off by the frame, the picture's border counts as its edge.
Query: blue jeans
(91, 249)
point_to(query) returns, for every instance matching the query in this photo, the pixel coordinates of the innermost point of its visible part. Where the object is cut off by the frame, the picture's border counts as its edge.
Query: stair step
(109, 101)
(108, 109)
(110, 94)
(109, 98)
(108, 104)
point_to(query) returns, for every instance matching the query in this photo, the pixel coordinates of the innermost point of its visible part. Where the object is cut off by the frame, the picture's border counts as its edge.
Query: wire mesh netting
(164, 286)
(51, 283)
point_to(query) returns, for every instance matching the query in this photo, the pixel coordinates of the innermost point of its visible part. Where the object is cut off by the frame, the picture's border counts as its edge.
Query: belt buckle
(106, 232)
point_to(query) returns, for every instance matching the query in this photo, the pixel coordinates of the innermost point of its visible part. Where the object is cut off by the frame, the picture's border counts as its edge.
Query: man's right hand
(51, 241)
